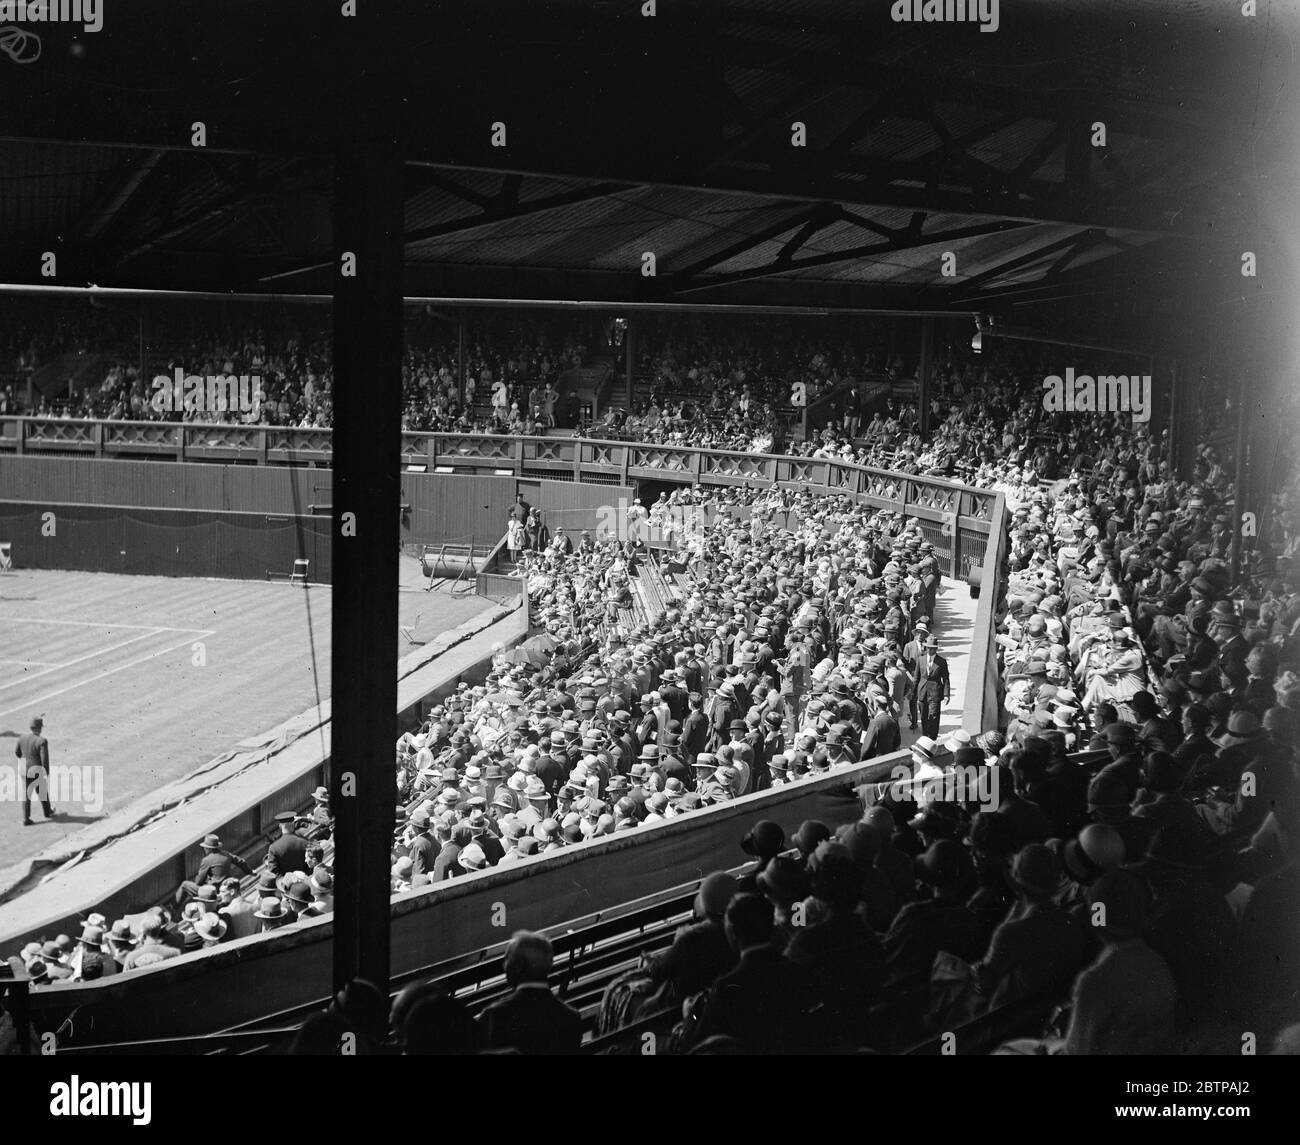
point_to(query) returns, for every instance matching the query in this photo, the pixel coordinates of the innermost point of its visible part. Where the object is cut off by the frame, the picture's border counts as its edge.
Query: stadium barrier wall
(982, 704)
(255, 977)
(242, 826)
(955, 518)
(436, 508)
(163, 542)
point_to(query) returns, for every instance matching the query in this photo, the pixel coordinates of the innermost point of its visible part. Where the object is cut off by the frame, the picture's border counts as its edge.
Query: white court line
(108, 672)
(38, 663)
(79, 659)
(93, 624)
(91, 655)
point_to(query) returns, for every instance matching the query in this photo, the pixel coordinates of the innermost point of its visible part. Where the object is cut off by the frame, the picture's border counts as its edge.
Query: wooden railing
(955, 518)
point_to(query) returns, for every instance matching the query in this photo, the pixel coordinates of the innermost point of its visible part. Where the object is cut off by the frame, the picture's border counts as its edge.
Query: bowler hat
(1035, 870)
(764, 840)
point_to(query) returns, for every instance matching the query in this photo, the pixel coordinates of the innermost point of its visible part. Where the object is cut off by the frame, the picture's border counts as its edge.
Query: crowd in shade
(89, 363)
(1115, 854)
(713, 384)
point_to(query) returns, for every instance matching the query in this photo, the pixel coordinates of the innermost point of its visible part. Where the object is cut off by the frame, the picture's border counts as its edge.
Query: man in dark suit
(695, 729)
(933, 687)
(34, 750)
(423, 852)
(674, 695)
(217, 865)
(553, 769)
(1233, 647)
(883, 734)
(726, 708)
(289, 851)
(765, 1001)
(531, 1020)
(912, 653)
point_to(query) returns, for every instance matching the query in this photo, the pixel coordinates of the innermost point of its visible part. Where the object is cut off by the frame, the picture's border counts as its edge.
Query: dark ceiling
(672, 135)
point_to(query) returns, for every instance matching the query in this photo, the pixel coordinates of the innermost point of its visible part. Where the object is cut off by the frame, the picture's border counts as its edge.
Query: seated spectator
(940, 921)
(766, 1001)
(836, 946)
(1035, 952)
(153, 947)
(436, 1023)
(531, 1020)
(1191, 925)
(1124, 1002)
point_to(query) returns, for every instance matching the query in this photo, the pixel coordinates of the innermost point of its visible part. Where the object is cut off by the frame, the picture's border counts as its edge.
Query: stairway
(68, 373)
(593, 382)
(647, 587)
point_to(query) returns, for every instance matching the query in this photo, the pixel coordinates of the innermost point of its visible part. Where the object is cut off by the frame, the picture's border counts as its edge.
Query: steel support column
(924, 371)
(629, 336)
(1240, 476)
(460, 357)
(368, 219)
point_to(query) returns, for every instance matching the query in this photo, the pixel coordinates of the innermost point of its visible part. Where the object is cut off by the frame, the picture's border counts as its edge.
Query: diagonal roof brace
(905, 239)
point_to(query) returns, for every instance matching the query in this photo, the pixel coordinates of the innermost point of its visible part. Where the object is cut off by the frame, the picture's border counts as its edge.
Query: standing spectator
(289, 851)
(515, 538)
(852, 411)
(933, 687)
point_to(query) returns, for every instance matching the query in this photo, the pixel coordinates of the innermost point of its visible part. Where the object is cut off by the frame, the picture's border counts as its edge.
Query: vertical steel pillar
(368, 237)
(1176, 370)
(460, 357)
(629, 339)
(924, 369)
(146, 333)
(1241, 473)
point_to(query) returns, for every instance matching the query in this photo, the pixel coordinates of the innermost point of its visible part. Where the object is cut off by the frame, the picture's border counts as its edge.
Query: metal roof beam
(905, 240)
(502, 208)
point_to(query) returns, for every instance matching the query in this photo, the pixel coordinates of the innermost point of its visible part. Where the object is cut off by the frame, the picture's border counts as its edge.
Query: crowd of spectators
(702, 383)
(512, 367)
(716, 384)
(1144, 770)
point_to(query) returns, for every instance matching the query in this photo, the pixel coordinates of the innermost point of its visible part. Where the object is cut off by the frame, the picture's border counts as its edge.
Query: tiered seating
(648, 586)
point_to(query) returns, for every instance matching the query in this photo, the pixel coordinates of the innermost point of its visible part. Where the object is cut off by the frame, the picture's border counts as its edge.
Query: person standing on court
(34, 750)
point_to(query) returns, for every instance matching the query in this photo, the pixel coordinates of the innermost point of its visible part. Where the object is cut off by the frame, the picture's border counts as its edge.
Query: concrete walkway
(953, 623)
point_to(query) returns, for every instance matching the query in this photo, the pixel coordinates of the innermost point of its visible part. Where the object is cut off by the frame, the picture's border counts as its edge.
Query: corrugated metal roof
(1075, 51)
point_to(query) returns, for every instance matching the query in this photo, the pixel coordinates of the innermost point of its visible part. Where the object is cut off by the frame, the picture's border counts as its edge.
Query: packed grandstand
(1143, 772)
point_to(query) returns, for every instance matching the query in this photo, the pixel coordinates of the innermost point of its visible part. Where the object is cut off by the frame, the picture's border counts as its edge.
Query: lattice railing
(244, 438)
(54, 431)
(672, 460)
(730, 465)
(300, 440)
(476, 446)
(941, 498)
(140, 433)
(929, 496)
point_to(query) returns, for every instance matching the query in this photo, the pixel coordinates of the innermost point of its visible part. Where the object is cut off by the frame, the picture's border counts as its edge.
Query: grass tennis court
(150, 677)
